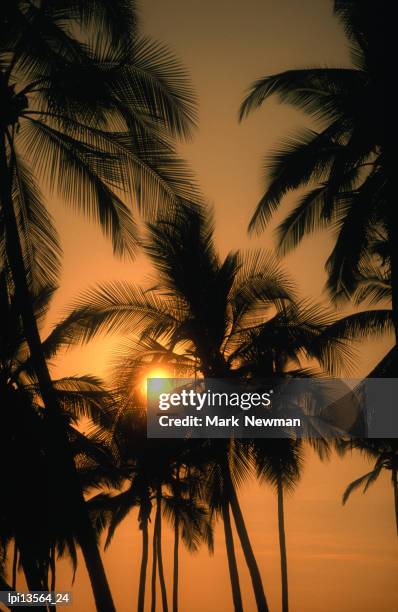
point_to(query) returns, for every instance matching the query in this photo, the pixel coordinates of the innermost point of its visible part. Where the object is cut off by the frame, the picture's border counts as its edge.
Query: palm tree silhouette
(384, 454)
(277, 352)
(230, 318)
(90, 121)
(279, 462)
(210, 303)
(188, 515)
(43, 528)
(349, 159)
(150, 474)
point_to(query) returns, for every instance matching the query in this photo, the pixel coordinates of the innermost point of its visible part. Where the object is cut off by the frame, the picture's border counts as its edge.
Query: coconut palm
(91, 114)
(150, 473)
(279, 462)
(39, 525)
(384, 455)
(205, 316)
(184, 255)
(348, 162)
(189, 517)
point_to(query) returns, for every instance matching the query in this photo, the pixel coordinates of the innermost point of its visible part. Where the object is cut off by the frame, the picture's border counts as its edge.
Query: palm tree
(384, 454)
(149, 473)
(136, 473)
(184, 255)
(39, 525)
(90, 120)
(205, 316)
(189, 517)
(277, 356)
(348, 162)
(280, 462)
(220, 491)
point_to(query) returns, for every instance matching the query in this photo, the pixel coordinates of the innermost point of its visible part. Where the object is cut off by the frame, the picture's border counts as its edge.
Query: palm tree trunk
(52, 568)
(154, 564)
(394, 274)
(144, 563)
(159, 550)
(14, 566)
(58, 446)
(282, 547)
(232, 565)
(177, 494)
(52, 572)
(395, 487)
(175, 563)
(251, 562)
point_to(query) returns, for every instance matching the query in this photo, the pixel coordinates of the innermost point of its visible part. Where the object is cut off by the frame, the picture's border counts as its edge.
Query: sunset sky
(340, 558)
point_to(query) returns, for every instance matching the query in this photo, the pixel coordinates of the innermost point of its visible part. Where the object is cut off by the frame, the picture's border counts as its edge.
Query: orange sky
(225, 45)
(339, 558)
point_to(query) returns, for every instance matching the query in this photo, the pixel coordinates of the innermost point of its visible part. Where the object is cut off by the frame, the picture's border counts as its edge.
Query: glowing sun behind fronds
(160, 372)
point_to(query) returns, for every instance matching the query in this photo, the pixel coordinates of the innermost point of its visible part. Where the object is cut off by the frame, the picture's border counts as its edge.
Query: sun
(157, 372)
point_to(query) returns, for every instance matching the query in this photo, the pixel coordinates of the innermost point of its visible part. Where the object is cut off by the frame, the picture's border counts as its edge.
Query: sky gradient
(339, 558)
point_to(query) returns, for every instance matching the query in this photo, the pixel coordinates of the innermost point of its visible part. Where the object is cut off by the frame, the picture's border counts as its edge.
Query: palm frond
(117, 308)
(39, 238)
(155, 82)
(364, 481)
(324, 93)
(306, 157)
(362, 325)
(85, 397)
(86, 178)
(304, 219)
(118, 18)
(279, 460)
(373, 290)
(110, 510)
(354, 228)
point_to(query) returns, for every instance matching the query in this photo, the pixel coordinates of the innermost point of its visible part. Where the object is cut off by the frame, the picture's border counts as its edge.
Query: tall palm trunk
(282, 546)
(177, 494)
(395, 487)
(52, 572)
(232, 565)
(159, 550)
(58, 447)
(175, 563)
(144, 563)
(14, 566)
(154, 565)
(52, 568)
(247, 549)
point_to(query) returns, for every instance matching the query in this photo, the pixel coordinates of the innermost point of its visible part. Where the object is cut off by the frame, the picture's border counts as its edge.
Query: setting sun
(158, 372)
